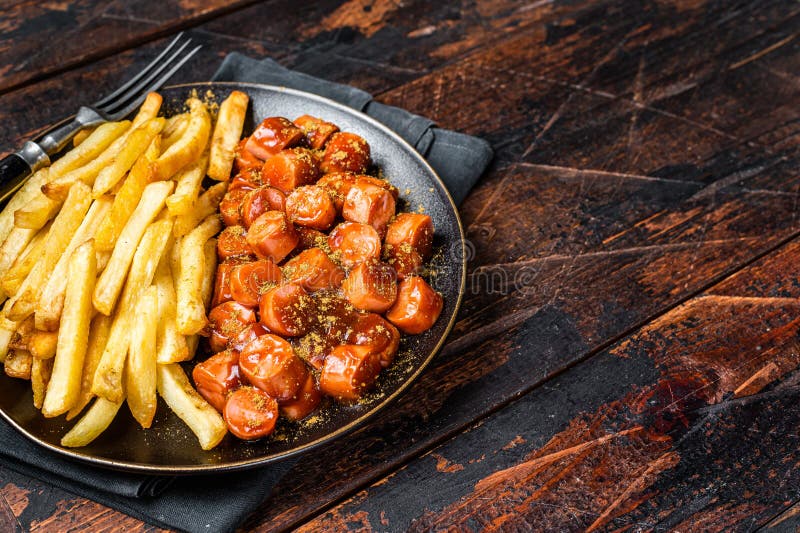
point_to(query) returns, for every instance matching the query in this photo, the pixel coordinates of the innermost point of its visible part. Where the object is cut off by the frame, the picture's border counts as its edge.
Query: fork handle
(17, 167)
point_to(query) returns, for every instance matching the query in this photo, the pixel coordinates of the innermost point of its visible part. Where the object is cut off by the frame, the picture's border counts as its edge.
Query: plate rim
(245, 464)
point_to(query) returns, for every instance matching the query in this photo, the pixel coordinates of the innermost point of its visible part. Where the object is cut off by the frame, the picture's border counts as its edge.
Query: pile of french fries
(107, 268)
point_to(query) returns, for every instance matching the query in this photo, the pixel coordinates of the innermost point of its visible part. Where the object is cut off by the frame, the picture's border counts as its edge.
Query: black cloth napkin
(457, 158)
(220, 502)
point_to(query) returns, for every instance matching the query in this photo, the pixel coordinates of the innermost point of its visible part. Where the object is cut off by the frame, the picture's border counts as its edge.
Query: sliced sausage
(232, 242)
(307, 399)
(311, 206)
(382, 337)
(286, 310)
(414, 229)
(289, 169)
(405, 260)
(417, 306)
(226, 321)
(317, 130)
(258, 201)
(230, 205)
(310, 238)
(248, 280)
(272, 236)
(222, 284)
(245, 161)
(216, 377)
(313, 270)
(349, 371)
(250, 333)
(354, 243)
(250, 413)
(371, 286)
(346, 152)
(273, 135)
(245, 180)
(270, 364)
(369, 204)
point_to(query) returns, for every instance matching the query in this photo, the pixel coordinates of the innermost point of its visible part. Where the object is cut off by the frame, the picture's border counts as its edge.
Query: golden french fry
(51, 297)
(205, 206)
(204, 421)
(81, 136)
(22, 335)
(8, 329)
(98, 337)
(73, 335)
(30, 190)
(14, 276)
(149, 109)
(209, 272)
(64, 226)
(18, 364)
(171, 346)
(43, 344)
(191, 314)
(93, 423)
(227, 132)
(189, 146)
(111, 280)
(174, 130)
(97, 142)
(141, 370)
(39, 211)
(107, 381)
(188, 187)
(41, 372)
(135, 145)
(14, 246)
(128, 196)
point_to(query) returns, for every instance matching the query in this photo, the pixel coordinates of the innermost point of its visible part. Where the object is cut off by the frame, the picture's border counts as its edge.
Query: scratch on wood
(762, 53)
(757, 381)
(445, 466)
(523, 469)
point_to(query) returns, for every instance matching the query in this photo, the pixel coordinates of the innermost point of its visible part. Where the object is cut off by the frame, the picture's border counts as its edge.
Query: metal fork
(18, 166)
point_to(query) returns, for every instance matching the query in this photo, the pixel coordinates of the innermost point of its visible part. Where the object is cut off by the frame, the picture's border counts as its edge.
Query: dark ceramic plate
(169, 446)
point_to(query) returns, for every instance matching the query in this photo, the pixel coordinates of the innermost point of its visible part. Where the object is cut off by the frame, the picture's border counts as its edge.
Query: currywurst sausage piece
(313, 270)
(289, 169)
(216, 377)
(270, 364)
(317, 130)
(417, 306)
(354, 243)
(349, 371)
(413, 229)
(273, 135)
(286, 310)
(369, 204)
(311, 206)
(250, 413)
(346, 152)
(272, 236)
(371, 286)
(227, 320)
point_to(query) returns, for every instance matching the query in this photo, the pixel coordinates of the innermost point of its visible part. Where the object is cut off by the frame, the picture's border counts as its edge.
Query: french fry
(188, 187)
(141, 370)
(111, 280)
(64, 226)
(135, 145)
(94, 145)
(98, 337)
(14, 277)
(14, 246)
(205, 206)
(30, 190)
(204, 421)
(7, 330)
(209, 272)
(191, 314)
(189, 146)
(227, 132)
(41, 372)
(18, 364)
(43, 344)
(39, 211)
(51, 297)
(81, 136)
(174, 130)
(93, 423)
(171, 346)
(73, 336)
(149, 109)
(128, 196)
(107, 381)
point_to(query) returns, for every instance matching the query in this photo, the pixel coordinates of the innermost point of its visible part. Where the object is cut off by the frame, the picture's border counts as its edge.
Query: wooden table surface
(627, 354)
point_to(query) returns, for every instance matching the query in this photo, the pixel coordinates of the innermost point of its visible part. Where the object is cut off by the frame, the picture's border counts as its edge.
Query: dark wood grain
(646, 152)
(41, 39)
(687, 423)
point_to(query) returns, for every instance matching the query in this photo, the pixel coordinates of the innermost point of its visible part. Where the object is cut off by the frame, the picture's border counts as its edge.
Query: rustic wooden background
(637, 366)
